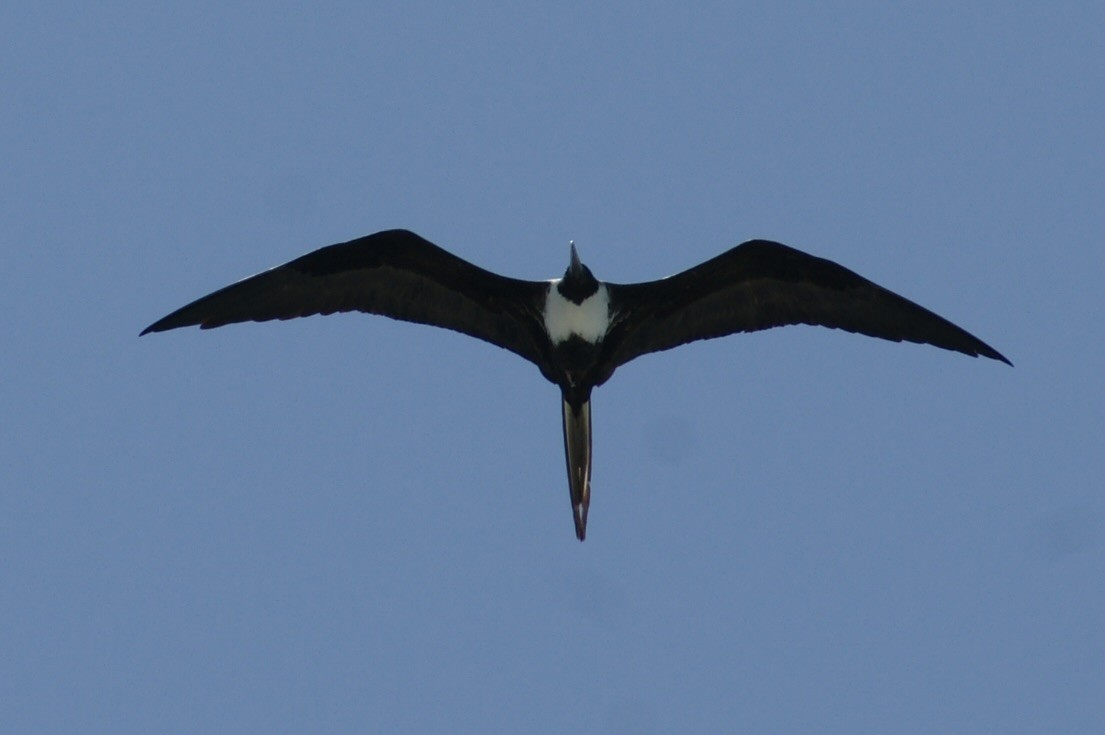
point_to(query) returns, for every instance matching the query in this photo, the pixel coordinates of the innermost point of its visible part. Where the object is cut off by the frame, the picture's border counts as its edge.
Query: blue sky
(350, 524)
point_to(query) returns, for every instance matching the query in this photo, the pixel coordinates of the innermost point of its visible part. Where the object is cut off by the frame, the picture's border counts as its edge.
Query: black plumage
(577, 330)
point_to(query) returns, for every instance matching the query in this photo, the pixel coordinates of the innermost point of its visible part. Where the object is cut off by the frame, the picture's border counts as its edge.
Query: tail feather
(577, 450)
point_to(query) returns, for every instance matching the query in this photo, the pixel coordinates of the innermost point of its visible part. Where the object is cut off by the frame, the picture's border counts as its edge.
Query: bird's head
(578, 282)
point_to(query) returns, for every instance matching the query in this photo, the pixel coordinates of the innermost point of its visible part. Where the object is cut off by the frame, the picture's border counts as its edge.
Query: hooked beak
(575, 267)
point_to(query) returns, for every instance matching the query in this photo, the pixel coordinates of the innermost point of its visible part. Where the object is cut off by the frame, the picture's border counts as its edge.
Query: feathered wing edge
(394, 273)
(762, 284)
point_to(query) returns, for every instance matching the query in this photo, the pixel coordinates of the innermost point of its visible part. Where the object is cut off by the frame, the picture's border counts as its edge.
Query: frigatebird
(577, 330)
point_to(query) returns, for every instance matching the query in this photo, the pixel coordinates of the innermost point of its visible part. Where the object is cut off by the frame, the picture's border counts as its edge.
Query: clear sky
(350, 524)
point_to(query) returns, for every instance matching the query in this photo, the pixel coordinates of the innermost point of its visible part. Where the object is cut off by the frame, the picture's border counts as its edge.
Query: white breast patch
(588, 320)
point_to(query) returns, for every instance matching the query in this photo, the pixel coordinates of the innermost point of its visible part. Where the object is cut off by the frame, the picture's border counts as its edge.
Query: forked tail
(577, 450)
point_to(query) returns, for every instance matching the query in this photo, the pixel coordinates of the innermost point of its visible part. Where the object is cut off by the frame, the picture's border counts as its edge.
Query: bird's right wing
(762, 284)
(394, 273)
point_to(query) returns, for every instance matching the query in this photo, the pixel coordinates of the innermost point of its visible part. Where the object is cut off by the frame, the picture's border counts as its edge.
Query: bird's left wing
(762, 284)
(394, 273)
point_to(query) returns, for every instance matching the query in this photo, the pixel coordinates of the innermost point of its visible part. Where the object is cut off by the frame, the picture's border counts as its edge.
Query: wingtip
(174, 321)
(158, 326)
(161, 325)
(995, 355)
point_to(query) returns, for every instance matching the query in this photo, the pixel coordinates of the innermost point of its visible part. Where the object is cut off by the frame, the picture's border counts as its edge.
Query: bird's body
(576, 329)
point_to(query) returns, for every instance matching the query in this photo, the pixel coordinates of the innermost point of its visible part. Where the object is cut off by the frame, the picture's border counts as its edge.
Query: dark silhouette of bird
(576, 329)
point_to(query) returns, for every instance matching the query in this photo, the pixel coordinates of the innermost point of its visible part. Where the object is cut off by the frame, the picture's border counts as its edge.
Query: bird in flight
(576, 329)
